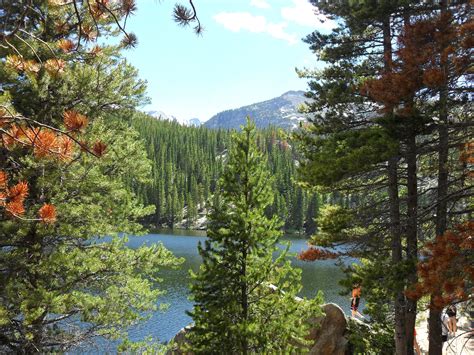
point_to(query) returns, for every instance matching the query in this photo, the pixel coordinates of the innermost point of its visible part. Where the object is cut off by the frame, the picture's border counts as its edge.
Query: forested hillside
(187, 162)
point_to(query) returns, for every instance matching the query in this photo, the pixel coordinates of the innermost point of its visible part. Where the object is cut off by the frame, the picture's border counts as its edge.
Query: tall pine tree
(237, 308)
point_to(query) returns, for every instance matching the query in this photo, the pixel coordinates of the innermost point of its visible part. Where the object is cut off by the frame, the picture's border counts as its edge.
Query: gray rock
(327, 335)
(328, 332)
(176, 344)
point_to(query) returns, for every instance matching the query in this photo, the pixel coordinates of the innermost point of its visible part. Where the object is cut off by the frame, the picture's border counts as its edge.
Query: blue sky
(247, 53)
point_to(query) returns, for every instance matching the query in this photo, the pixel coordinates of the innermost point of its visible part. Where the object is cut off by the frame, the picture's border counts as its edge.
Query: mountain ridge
(281, 111)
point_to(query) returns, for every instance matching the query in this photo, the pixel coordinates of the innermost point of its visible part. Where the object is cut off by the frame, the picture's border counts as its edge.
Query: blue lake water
(163, 325)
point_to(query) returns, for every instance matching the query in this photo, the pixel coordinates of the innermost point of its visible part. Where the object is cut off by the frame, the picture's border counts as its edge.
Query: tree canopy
(64, 153)
(389, 113)
(245, 291)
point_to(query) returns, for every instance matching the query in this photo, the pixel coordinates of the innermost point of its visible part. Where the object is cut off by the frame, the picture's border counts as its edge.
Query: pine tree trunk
(394, 202)
(244, 297)
(435, 332)
(434, 322)
(400, 332)
(411, 233)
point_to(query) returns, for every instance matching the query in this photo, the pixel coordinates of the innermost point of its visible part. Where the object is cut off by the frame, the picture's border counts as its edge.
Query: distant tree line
(188, 161)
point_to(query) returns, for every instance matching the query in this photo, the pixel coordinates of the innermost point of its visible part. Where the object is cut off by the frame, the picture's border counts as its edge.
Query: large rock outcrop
(176, 344)
(327, 334)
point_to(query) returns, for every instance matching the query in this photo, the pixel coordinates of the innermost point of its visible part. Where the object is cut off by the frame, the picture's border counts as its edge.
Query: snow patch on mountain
(160, 115)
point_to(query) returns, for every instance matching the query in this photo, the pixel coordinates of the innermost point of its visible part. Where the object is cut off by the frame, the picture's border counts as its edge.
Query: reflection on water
(320, 275)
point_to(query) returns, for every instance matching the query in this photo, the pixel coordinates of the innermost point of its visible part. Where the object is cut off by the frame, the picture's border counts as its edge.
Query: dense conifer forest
(187, 162)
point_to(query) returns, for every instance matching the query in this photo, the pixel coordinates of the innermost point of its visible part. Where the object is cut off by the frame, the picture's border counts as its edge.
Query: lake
(163, 325)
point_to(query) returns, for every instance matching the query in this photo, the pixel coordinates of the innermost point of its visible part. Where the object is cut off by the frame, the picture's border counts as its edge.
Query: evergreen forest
(188, 161)
(376, 183)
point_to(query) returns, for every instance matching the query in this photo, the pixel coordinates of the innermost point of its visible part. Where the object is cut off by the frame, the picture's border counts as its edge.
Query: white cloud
(236, 21)
(303, 13)
(262, 4)
(277, 30)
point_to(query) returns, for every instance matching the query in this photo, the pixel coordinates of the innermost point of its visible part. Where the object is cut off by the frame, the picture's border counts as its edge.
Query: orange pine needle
(15, 208)
(46, 143)
(99, 148)
(312, 254)
(15, 62)
(18, 192)
(3, 199)
(47, 213)
(74, 121)
(3, 180)
(447, 257)
(55, 66)
(66, 45)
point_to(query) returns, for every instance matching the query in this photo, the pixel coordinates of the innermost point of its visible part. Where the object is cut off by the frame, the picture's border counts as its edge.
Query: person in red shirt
(355, 299)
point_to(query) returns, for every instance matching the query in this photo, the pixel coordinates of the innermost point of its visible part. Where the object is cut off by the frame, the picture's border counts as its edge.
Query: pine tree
(237, 308)
(298, 210)
(57, 274)
(311, 215)
(71, 162)
(389, 101)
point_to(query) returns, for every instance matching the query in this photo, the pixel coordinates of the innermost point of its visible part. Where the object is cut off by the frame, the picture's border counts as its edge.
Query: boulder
(326, 335)
(328, 332)
(178, 341)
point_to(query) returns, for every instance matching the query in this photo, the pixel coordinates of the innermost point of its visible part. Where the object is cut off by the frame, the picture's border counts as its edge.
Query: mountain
(165, 117)
(280, 111)
(162, 116)
(194, 122)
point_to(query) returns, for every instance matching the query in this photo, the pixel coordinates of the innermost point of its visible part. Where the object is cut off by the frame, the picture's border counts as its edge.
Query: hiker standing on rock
(356, 291)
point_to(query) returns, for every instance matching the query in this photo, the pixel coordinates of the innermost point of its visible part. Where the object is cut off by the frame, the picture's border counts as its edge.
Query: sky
(247, 53)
